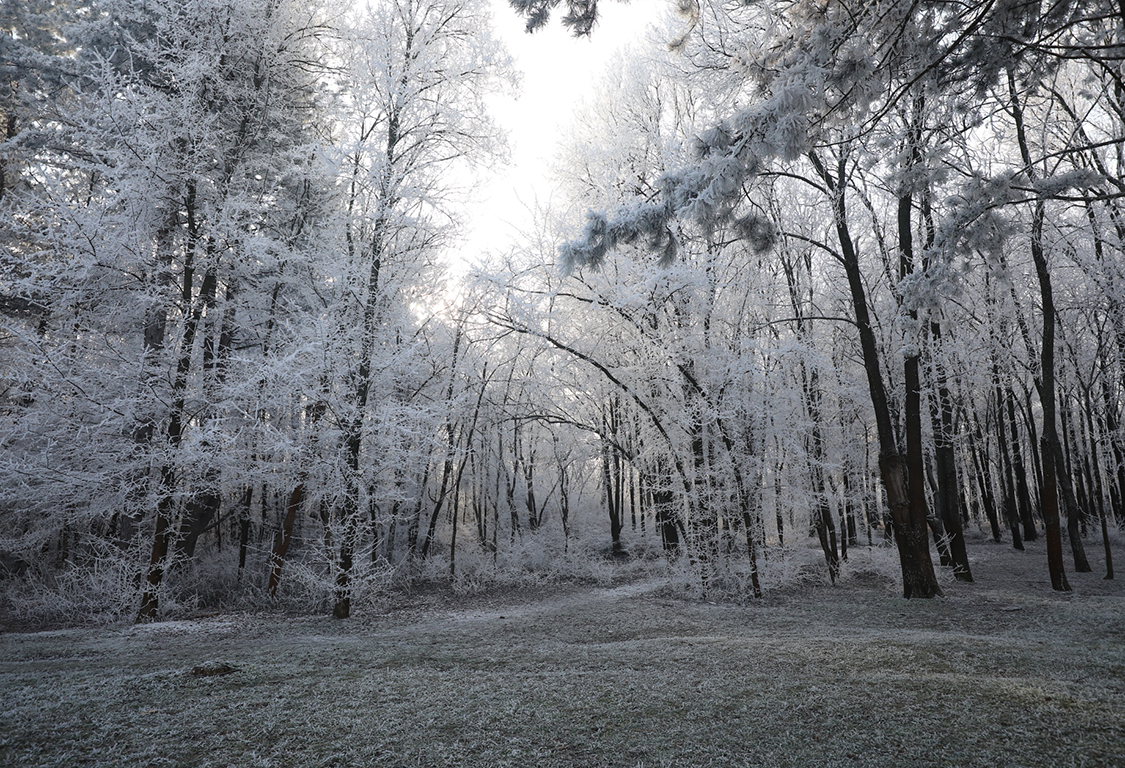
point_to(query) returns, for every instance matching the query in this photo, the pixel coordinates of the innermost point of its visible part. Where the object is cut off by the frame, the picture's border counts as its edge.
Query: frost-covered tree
(33, 55)
(810, 84)
(655, 343)
(221, 273)
(166, 186)
(413, 125)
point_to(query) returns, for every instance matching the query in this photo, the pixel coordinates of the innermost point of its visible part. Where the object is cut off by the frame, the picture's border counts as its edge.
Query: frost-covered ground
(999, 673)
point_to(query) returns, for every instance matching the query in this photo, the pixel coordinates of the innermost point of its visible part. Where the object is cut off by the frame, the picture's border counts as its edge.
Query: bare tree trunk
(461, 471)
(822, 513)
(611, 470)
(1023, 495)
(1103, 513)
(11, 126)
(510, 485)
(811, 395)
(1050, 440)
(1007, 476)
(663, 504)
(1073, 516)
(450, 448)
(910, 526)
(979, 450)
(174, 432)
(945, 460)
(160, 544)
(244, 526)
(353, 430)
(1117, 443)
(284, 537)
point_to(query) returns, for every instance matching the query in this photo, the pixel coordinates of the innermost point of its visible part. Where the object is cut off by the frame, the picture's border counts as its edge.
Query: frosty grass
(999, 673)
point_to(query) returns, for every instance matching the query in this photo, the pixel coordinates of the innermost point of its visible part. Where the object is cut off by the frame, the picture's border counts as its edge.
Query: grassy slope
(999, 673)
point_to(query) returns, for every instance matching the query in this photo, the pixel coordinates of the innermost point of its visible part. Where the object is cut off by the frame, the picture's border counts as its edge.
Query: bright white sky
(558, 72)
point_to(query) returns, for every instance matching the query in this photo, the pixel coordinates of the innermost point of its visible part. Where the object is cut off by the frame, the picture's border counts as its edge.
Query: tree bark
(910, 527)
(284, 537)
(945, 460)
(450, 449)
(1007, 477)
(166, 505)
(811, 394)
(1049, 440)
(979, 450)
(1073, 517)
(161, 539)
(1023, 495)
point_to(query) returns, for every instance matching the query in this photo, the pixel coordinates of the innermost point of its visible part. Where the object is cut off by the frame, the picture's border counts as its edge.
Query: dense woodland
(848, 272)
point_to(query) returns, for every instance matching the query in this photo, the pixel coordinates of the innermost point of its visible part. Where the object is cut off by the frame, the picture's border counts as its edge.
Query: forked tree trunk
(450, 449)
(197, 518)
(811, 395)
(284, 537)
(910, 527)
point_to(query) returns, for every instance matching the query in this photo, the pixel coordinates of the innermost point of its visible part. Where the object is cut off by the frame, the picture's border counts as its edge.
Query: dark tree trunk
(11, 125)
(1050, 440)
(510, 483)
(1073, 517)
(161, 541)
(810, 389)
(704, 525)
(664, 510)
(822, 513)
(1117, 443)
(529, 493)
(461, 472)
(244, 527)
(342, 608)
(1101, 510)
(945, 460)
(284, 537)
(849, 533)
(376, 527)
(910, 528)
(611, 470)
(915, 469)
(450, 450)
(1011, 511)
(174, 432)
(200, 510)
(1023, 495)
(780, 515)
(1033, 444)
(979, 449)
(353, 431)
(564, 505)
(443, 493)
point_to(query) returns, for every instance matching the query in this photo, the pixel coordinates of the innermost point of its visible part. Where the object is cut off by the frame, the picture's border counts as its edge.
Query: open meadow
(1001, 672)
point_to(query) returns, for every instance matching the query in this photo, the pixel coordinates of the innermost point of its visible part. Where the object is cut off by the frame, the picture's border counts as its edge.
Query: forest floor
(1002, 672)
